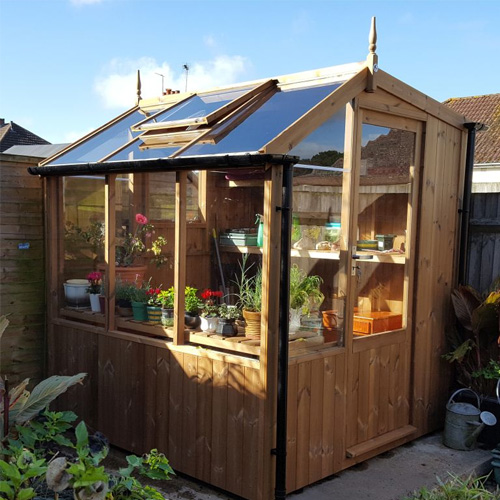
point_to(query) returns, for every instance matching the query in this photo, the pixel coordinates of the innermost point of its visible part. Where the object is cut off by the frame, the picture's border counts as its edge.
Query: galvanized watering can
(464, 422)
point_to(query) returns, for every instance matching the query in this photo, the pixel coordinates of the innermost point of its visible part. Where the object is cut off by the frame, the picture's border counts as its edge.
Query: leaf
(4, 323)
(63, 441)
(44, 393)
(10, 471)
(465, 300)
(6, 488)
(25, 494)
(82, 435)
(15, 393)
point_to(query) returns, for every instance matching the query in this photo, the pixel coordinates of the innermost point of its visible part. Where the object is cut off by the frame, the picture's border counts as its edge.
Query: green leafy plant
(474, 342)
(470, 488)
(249, 287)
(228, 312)
(191, 301)
(19, 476)
(304, 290)
(45, 430)
(124, 292)
(166, 298)
(23, 405)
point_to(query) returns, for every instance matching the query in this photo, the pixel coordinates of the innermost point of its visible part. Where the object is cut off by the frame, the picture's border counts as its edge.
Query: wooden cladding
(202, 412)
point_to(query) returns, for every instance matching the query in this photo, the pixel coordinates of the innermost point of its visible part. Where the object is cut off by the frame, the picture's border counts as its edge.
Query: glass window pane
(103, 143)
(385, 190)
(134, 152)
(275, 115)
(198, 106)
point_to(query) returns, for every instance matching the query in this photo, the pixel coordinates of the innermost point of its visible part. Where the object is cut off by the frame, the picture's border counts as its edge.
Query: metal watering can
(464, 422)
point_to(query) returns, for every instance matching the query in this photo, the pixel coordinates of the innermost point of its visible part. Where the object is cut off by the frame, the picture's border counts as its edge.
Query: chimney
(2, 122)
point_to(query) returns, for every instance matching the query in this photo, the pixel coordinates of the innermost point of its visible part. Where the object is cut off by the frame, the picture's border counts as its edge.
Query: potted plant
(154, 304)
(134, 245)
(305, 295)
(94, 289)
(250, 298)
(139, 300)
(191, 307)
(475, 350)
(209, 310)
(227, 317)
(167, 306)
(124, 295)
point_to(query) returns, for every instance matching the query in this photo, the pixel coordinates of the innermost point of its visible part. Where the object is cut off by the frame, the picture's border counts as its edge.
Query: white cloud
(117, 85)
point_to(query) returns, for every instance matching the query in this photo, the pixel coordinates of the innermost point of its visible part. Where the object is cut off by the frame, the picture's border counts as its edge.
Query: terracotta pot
(330, 319)
(131, 274)
(252, 328)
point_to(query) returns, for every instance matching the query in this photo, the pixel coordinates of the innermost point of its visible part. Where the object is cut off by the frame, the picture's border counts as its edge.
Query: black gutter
(160, 164)
(465, 210)
(281, 415)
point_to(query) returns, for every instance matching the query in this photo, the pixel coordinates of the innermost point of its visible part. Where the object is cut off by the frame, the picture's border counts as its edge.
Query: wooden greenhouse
(358, 179)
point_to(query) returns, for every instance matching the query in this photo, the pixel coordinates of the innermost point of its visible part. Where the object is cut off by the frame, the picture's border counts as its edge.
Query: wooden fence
(22, 289)
(484, 241)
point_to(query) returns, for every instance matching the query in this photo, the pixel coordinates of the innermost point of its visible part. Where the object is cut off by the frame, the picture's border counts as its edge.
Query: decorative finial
(372, 58)
(372, 37)
(138, 86)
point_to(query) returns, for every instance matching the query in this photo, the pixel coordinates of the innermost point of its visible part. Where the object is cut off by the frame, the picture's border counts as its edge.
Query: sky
(69, 66)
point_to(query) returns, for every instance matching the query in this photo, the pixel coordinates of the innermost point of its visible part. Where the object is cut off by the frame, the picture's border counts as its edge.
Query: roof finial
(138, 86)
(372, 58)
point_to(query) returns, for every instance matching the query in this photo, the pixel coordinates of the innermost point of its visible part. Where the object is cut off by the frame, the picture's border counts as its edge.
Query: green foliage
(191, 302)
(471, 488)
(474, 342)
(46, 429)
(166, 298)
(324, 158)
(228, 312)
(304, 290)
(20, 474)
(249, 287)
(125, 291)
(25, 405)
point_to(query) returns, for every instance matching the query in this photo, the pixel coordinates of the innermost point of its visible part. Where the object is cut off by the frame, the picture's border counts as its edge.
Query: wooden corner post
(372, 58)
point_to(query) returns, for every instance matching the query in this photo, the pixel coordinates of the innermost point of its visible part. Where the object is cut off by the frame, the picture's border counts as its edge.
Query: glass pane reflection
(264, 124)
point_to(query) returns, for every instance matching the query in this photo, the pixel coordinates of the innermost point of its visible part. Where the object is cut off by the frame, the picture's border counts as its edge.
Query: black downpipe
(281, 417)
(465, 211)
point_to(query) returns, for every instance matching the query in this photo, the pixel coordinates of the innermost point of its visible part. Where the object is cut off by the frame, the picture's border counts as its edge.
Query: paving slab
(398, 473)
(390, 476)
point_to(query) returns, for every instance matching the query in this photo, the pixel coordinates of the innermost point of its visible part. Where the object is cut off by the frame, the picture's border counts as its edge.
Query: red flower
(141, 219)
(209, 294)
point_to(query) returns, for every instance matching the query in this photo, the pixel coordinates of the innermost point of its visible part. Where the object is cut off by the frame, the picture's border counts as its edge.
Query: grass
(470, 488)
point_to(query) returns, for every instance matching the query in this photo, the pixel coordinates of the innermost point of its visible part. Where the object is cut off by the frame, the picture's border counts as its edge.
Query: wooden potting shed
(347, 146)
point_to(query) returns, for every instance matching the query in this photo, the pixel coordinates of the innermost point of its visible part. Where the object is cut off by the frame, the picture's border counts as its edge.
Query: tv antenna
(186, 69)
(162, 82)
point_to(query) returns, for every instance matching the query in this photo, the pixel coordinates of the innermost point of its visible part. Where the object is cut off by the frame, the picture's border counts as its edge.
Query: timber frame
(210, 403)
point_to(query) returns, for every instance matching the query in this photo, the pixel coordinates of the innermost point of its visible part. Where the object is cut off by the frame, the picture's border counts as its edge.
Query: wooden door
(384, 196)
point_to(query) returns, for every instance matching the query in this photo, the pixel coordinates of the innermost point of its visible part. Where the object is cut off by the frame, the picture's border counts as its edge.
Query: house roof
(12, 134)
(484, 109)
(36, 151)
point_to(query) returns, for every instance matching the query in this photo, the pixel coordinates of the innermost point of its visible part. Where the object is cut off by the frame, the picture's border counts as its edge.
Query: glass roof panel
(103, 143)
(198, 106)
(270, 119)
(133, 152)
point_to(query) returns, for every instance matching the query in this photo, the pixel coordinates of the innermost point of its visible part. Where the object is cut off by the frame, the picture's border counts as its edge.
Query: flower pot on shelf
(102, 303)
(95, 305)
(167, 317)
(154, 314)
(294, 320)
(252, 320)
(131, 274)
(226, 327)
(139, 311)
(76, 294)
(192, 320)
(209, 325)
(124, 308)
